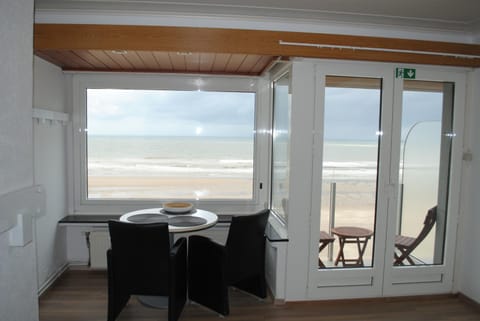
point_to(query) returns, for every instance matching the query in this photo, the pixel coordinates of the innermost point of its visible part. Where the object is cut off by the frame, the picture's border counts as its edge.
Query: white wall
(50, 171)
(469, 236)
(301, 155)
(18, 287)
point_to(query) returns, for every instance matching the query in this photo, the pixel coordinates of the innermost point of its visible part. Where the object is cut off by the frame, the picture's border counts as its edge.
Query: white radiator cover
(99, 244)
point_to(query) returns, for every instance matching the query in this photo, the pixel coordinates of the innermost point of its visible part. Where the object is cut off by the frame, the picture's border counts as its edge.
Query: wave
(234, 168)
(149, 167)
(360, 164)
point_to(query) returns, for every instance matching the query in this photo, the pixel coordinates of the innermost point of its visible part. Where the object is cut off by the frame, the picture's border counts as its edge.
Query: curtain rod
(317, 45)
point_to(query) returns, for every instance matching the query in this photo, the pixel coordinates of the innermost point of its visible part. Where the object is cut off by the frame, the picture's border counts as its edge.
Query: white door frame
(416, 280)
(351, 282)
(383, 279)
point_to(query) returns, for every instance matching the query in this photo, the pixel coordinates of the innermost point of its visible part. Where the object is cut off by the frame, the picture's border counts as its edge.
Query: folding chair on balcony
(325, 240)
(406, 244)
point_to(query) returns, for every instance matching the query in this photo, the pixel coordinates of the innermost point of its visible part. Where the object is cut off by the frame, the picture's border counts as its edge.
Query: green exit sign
(405, 73)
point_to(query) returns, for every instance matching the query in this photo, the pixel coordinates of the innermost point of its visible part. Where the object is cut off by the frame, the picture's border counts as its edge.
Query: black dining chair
(141, 262)
(240, 263)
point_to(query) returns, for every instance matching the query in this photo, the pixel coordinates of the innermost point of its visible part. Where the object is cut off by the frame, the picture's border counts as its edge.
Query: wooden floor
(82, 296)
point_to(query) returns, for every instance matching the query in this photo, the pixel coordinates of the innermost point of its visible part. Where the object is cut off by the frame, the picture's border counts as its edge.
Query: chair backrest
(428, 224)
(246, 244)
(140, 256)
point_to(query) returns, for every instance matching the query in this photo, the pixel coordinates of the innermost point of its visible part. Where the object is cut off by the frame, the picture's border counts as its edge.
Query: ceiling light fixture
(119, 52)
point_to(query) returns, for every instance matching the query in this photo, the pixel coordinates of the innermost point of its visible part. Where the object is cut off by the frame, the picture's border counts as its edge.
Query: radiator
(99, 243)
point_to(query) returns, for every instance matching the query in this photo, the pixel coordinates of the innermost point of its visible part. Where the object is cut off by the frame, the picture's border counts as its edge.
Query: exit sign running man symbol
(405, 73)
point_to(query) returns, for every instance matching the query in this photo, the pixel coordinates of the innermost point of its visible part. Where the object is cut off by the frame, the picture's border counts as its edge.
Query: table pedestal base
(153, 301)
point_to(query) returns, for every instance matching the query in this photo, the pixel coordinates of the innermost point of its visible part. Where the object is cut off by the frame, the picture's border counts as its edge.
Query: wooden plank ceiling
(225, 51)
(157, 61)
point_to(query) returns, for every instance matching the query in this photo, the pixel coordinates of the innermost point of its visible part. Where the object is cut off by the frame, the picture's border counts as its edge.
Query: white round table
(194, 220)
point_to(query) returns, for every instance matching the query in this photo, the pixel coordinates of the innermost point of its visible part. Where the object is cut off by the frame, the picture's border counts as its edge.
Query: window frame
(80, 204)
(282, 72)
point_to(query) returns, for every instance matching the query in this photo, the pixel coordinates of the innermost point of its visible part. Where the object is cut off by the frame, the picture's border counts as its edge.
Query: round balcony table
(352, 235)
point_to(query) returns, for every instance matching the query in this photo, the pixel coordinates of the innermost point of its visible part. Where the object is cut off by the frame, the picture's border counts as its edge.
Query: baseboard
(51, 280)
(279, 301)
(469, 301)
(80, 264)
(271, 295)
(374, 299)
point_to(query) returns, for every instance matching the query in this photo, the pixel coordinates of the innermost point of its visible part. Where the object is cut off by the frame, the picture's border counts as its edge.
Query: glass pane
(281, 146)
(160, 144)
(424, 171)
(350, 162)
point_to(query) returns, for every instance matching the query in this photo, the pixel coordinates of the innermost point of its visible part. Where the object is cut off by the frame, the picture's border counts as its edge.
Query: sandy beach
(117, 187)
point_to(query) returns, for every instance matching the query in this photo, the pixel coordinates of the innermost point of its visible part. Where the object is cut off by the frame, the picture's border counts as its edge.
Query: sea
(170, 156)
(230, 157)
(350, 160)
(212, 157)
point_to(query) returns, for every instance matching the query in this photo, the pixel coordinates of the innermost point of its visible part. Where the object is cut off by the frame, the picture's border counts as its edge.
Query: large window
(137, 143)
(169, 144)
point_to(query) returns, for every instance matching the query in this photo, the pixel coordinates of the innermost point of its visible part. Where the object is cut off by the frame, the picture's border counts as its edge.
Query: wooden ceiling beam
(258, 42)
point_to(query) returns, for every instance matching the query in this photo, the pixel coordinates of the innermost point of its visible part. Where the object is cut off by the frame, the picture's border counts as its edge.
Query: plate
(178, 207)
(185, 221)
(148, 218)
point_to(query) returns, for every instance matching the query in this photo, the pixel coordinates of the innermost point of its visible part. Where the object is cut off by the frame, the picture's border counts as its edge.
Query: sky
(350, 114)
(120, 112)
(353, 113)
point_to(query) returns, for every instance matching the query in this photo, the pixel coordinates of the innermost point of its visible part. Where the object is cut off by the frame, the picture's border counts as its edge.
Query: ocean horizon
(211, 157)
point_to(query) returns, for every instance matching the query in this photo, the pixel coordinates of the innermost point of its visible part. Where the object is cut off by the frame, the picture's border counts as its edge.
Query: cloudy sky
(351, 114)
(170, 113)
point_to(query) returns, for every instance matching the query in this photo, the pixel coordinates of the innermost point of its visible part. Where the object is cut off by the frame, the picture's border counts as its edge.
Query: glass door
(387, 158)
(429, 119)
(353, 110)
(426, 139)
(351, 142)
